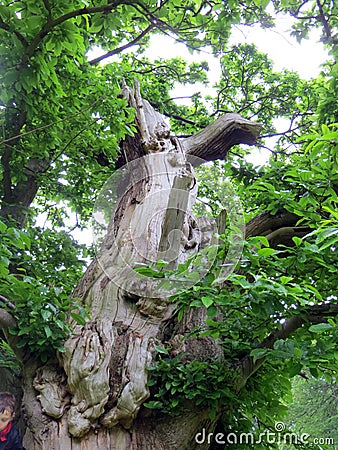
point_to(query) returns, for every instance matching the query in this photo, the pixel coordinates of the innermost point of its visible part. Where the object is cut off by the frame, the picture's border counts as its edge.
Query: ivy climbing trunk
(92, 396)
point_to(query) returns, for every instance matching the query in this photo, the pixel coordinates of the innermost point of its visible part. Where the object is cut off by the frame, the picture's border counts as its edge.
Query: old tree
(211, 285)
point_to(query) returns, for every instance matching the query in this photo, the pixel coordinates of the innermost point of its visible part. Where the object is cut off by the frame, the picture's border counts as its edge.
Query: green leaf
(295, 369)
(298, 352)
(265, 251)
(332, 242)
(285, 280)
(261, 3)
(78, 318)
(149, 272)
(211, 312)
(320, 328)
(162, 350)
(153, 404)
(46, 314)
(196, 303)
(263, 240)
(48, 331)
(207, 301)
(298, 241)
(314, 372)
(259, 353)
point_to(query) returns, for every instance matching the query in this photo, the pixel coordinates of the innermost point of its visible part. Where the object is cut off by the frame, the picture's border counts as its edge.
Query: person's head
(7, 409)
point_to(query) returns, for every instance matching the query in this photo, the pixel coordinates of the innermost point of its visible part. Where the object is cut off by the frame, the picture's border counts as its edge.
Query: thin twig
(50, 124)
(123, 47)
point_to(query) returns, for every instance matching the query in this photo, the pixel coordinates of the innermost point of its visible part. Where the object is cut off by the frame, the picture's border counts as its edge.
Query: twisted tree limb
(313, 315)
(264, 224)
(215, 141)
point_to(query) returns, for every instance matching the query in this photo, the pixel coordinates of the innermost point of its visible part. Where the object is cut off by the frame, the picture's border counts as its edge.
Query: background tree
(314, 408)
(62, 119)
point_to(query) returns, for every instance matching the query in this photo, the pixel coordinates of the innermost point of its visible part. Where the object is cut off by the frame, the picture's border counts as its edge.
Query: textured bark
(215, 140)
(92, 396)
(278, 229)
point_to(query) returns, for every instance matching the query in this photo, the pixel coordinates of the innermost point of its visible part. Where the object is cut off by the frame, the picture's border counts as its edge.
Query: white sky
(283, 50)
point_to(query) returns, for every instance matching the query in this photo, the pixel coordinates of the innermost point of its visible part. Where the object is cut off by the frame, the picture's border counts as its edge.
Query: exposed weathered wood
(6, 319)
(215, 141)
(284, 235)
(106, 361)
(174, 218)
(98, 392)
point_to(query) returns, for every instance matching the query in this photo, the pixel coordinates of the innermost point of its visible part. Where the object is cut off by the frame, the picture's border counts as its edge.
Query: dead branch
(215, 141)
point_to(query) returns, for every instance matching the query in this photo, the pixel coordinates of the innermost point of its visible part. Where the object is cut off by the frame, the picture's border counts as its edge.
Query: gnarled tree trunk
(91, 396)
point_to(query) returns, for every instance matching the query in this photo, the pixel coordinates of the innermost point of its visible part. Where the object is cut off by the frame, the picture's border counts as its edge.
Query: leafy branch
(326, 25)
(52, 23)
(316, 314)
(8, 28)
(36, 316)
